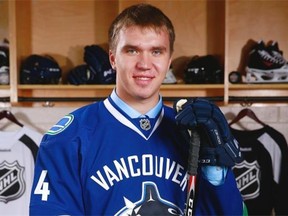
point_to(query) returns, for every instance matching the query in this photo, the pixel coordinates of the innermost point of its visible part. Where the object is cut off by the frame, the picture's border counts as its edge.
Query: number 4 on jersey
(42, 187)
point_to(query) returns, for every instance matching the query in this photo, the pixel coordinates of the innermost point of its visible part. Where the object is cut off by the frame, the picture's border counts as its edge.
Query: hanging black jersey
(18, 151)
(262, 177)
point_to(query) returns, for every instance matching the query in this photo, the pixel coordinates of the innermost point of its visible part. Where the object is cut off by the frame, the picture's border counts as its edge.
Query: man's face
(141, 59)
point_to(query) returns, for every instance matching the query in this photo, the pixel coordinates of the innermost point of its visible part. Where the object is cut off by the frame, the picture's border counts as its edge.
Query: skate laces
(266, 64)
(266, 56)
(273, 48)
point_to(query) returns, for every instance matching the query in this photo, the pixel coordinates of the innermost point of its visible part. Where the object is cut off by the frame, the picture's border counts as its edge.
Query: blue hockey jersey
(98, 161)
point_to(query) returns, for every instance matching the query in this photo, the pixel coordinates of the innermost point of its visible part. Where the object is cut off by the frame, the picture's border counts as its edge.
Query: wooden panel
(54, 93)
(13, 61)
(192, 90)
(3, 20)
(251, 21)
(23, 29)
(100, 91)
(258, 90)
(62, 28)
(66, 91)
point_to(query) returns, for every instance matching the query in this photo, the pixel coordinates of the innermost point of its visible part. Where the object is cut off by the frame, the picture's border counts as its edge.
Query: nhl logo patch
(145, 124)
(12, 185)
(248, 179)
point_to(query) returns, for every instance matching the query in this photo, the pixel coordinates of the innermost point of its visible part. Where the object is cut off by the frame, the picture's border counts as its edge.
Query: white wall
(274, 116)
(37, 118)
(42, 118)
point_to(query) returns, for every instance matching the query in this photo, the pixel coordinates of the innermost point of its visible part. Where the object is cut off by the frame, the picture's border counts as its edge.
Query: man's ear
(112, 59)
(170, 62)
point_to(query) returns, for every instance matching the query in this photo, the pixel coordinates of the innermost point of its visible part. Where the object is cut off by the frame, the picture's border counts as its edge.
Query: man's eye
(157, 52)
(131, 51)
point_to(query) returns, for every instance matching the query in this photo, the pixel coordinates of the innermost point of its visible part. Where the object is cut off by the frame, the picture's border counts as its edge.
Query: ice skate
(266, 65)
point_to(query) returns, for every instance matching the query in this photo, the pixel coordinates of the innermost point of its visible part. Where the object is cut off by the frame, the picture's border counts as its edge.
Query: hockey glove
(218, 147)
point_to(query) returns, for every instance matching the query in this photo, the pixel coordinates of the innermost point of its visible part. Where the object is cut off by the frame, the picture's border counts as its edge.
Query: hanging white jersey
(18, 150)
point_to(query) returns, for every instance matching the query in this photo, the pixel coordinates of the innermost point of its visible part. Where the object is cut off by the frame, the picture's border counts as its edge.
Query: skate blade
(279, 75)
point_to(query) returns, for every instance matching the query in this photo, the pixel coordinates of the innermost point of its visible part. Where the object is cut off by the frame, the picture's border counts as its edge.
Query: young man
(125, 155)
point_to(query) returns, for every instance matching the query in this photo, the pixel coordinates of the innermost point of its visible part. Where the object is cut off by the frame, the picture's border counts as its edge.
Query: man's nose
(144, 61)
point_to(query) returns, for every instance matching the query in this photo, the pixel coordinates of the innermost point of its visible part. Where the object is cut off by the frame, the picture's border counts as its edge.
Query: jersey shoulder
(74, 124)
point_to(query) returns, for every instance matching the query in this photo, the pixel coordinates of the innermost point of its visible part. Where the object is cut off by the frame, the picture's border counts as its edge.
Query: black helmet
(203, 70)
(37, 69)
(81, 74)
(98, 61)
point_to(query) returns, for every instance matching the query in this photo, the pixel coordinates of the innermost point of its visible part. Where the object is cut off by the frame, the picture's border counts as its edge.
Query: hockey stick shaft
(193, 155)
(194, 147)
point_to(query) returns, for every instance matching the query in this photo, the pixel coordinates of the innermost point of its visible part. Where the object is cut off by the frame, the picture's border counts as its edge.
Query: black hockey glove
(218, 147)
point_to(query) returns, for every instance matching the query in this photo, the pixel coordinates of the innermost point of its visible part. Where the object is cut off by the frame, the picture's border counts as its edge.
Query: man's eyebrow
(129, 46)
(163, 48)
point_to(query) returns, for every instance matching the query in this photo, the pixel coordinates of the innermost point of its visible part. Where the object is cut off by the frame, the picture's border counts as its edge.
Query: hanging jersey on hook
(18, 150)
(263, 175)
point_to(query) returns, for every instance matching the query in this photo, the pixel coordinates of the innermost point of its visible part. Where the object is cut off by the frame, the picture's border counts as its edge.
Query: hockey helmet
(38, 69)
(98, 61)
(81, 74)
(203, 70)
(4, 65)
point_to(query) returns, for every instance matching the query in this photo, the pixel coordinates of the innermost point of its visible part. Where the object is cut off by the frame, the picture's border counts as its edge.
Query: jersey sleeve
(224, 199)
(281, 176)
(56, 188)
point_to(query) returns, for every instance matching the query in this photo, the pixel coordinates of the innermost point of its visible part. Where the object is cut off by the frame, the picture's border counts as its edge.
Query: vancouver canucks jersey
(99, 161)
(18, 151)
(263, 175)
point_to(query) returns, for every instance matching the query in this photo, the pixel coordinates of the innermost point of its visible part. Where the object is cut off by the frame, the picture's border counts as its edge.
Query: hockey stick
(194, 147)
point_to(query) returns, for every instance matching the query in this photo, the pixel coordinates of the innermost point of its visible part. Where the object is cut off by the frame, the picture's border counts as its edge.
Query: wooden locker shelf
(221, 28)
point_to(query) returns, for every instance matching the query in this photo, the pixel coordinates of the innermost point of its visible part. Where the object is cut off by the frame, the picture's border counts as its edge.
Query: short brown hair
(143, 15)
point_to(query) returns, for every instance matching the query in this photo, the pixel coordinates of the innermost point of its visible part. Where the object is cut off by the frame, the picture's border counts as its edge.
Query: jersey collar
(132, 113)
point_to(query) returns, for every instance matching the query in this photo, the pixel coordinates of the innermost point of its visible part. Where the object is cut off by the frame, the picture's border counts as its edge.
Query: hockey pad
(218, 146)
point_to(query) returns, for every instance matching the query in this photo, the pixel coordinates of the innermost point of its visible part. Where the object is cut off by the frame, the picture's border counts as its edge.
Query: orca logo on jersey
(12, 185)
(248, 179)
(150, 204)
(61, 125)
